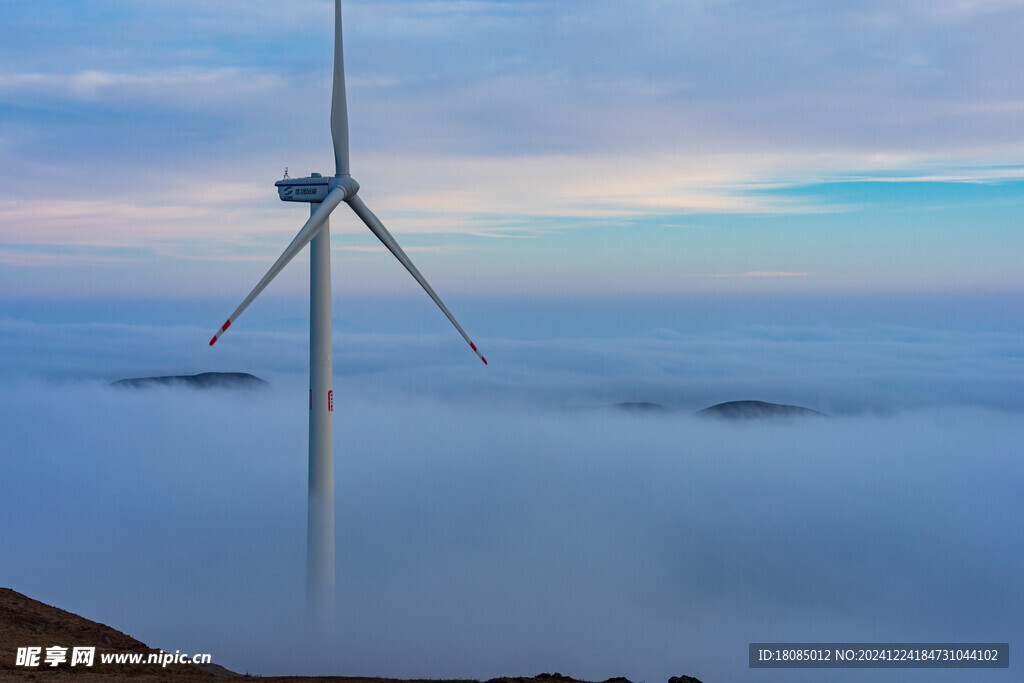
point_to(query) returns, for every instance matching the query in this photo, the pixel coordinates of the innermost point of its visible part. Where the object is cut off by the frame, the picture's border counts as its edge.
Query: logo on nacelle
(287, 191)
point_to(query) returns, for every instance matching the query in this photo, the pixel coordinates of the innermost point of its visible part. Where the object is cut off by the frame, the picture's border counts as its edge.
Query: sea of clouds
(506, 520)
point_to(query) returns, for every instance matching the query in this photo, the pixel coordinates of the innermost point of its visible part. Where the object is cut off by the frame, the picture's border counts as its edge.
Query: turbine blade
(378, 229)
(307, 233)
(339, 109)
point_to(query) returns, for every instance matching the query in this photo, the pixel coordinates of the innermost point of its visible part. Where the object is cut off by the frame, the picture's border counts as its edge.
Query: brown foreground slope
(25, 622)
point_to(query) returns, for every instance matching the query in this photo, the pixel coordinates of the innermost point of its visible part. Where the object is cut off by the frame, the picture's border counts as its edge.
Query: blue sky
(517, 147)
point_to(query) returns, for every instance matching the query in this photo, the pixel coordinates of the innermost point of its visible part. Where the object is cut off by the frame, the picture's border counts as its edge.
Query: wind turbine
(324, 195)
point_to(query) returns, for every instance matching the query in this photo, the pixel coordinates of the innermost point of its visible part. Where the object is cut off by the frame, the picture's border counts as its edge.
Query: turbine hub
(347, 183)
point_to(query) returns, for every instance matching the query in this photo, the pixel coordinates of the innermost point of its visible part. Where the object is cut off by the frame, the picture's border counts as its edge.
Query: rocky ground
(25, 622)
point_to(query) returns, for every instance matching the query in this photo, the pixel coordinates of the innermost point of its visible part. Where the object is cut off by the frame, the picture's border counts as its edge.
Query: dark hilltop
(641, 407)
(205, 380)
(730, 410)
(747, 410)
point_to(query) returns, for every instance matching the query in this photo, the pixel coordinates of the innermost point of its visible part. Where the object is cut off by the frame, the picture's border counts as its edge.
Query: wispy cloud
(186, 87)
(752, 273)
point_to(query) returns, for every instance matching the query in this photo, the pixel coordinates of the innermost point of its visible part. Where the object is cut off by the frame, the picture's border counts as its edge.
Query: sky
(594, 147)
(681, 203)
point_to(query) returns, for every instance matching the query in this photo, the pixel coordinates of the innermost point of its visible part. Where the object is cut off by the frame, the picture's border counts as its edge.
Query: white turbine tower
(324, 195)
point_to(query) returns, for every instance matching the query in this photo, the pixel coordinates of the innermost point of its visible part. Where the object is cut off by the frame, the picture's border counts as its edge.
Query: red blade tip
(223, 327)
(484, 360)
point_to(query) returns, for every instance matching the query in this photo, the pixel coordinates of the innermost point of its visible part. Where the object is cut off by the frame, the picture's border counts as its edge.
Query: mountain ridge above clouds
(729, 410)
(755, 410)
(204, 380)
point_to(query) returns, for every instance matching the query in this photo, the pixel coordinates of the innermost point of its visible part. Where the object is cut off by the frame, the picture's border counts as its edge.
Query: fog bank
(476, 541)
